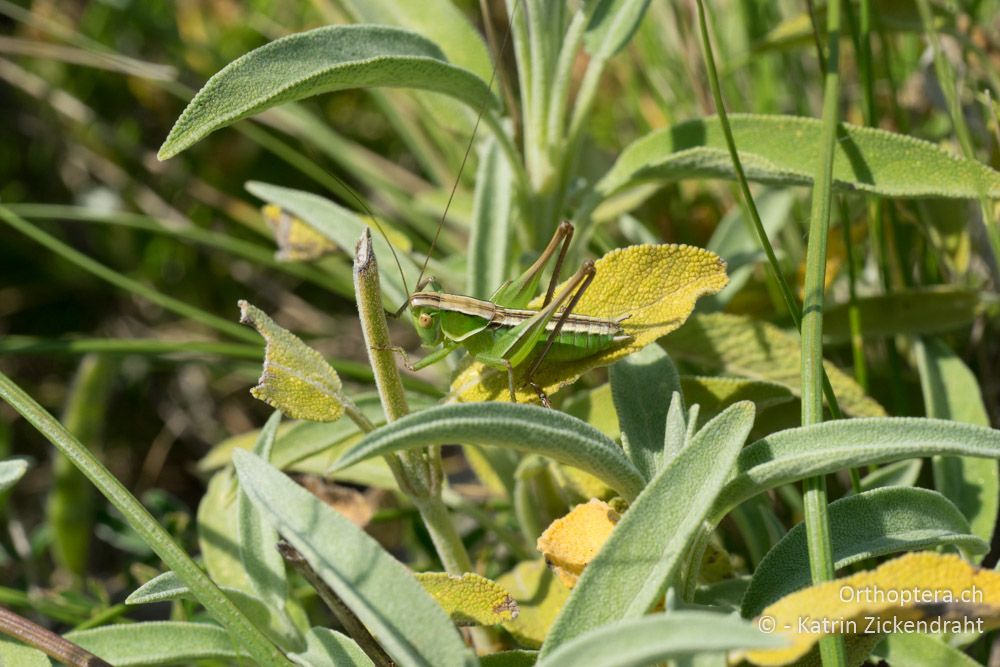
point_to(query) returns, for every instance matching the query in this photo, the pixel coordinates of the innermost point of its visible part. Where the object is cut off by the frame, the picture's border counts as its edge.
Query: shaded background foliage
(87, 137)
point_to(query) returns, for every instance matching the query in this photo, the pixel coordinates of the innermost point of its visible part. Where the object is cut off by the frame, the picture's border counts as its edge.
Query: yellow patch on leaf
(918, 592)
(656, 286)
(297, 241)
(470, 599)
(539, 595)
(571, 542)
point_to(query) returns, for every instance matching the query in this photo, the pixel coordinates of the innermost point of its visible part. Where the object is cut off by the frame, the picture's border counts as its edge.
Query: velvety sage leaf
(675, 432)
(797, 453)
(918, 650)
(218, 540)
(951, 391)
(659, 637)
(874, 523)
(527, 428)
(743, 346)
(492, 207)
(725, 594)
(713, 394)
(901, 473)
(760, 527)
(509, 659)
(611, 26)
(10, 472)
(297, 240)
(258, 540)
(926, 310)
(381, 592)
(296, 378)
(639, 560)
(158, 643)
(782, 150)
(320, 61)
(469, 599)
(642, 385)
(15, 653)
(272, 620)
(734, 241)
(329, 647)
(343, 227)
(440, 21)
(539, 594)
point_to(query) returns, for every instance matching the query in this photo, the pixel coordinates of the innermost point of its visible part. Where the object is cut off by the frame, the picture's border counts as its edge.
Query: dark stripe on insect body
(500, 317)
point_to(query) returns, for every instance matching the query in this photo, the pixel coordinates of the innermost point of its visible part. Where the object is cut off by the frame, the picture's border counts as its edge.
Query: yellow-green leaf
(571, 542)
(539, 595)
(739, 345)
(929, 591)
(297, 241)
(470, 599)
(296, 379)
(655, 285)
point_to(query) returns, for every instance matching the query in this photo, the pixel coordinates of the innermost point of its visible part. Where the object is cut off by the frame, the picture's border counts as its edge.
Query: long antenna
(472, 139)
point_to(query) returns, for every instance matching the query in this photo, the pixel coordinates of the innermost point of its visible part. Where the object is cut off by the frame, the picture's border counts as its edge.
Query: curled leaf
(571, 542)
(470, 599)
(297, 241)
(655, 286)
(296, 379)
(918, 592)
(539, 595)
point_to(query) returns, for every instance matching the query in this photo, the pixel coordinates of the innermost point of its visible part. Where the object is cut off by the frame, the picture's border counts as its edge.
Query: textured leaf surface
(782, 150)
(470, 599)
(655, 285)
(10, 472)
(328, 647)
(572, 541)
(539, 595)
(642, 385)
(869, 525)
(15, 653)
(947, 577)
(951, 391)
(797, 453)
(161, 642)
(917, 650)
(522, 427)
(411, 627)
(659, 637)
(344, 227)
(297, 241)
(737, 345)
(492, 219)
(296, 379)
(917, 311)
(641, 557)
(321, 61)
(612, 25)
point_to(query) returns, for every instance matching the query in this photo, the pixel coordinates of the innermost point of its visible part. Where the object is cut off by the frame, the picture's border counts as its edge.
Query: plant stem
(817, 523)
(243, 632)
(94, 267)
(47, 641)
(418, 473)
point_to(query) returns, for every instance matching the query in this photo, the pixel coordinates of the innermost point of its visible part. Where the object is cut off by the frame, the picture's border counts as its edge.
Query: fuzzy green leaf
(161, 642)
(381, 592)
(925, 310)
(518, 426)
(612, 25)
(875, 523)
(951, 391)
(820, 449)
(641, 557)
(918, 650)
(642, 384)
(343, 227)
(296, 379)
(492, 208)
(660, 637)
(321, 61)
(737, 345)
(328, 647)
(15, 653)
(782, 150)
(10, 472)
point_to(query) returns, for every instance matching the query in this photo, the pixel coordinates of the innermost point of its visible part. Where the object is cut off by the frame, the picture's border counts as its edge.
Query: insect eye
(425, 320)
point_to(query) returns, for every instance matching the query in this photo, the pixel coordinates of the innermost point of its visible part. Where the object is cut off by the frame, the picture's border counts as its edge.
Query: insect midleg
(588, 271)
